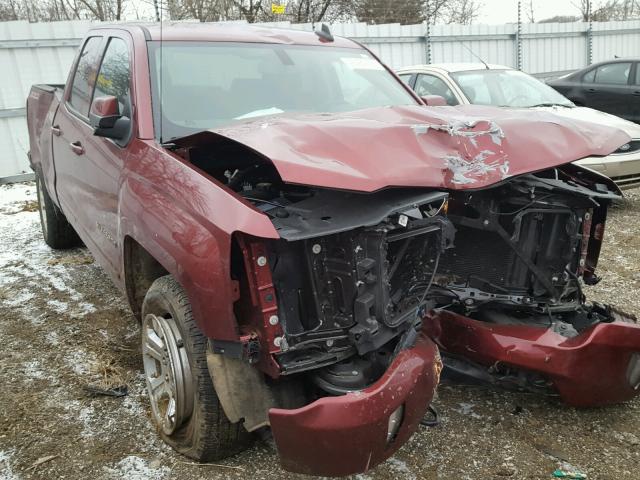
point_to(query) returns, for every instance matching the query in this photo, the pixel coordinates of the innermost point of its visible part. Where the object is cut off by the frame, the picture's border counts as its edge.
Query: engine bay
(354, 274)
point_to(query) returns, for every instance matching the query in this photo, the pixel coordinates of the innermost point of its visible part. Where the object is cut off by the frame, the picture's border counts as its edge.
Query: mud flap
(241, 390)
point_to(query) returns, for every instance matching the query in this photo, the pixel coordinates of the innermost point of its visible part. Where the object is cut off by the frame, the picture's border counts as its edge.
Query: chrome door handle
(77, 148)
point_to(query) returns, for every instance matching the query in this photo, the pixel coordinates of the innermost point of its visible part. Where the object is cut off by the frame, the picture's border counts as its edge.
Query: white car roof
(452, 67)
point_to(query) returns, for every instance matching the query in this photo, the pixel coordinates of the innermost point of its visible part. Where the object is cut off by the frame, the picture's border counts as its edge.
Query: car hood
(460, 147)
(595, 116)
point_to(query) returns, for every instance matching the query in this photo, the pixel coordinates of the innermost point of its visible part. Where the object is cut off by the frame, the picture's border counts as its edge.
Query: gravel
(63, 326)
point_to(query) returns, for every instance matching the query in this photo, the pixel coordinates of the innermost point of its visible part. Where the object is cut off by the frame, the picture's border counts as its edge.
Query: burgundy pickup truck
(298, 234)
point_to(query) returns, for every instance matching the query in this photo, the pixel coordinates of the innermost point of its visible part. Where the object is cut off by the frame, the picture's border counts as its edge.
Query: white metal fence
(43, 52)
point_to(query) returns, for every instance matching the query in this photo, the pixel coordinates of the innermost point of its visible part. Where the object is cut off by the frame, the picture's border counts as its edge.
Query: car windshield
(507, 88)
(203, 85)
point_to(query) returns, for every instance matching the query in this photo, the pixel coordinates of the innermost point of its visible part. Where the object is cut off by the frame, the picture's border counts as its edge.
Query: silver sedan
(477, 83)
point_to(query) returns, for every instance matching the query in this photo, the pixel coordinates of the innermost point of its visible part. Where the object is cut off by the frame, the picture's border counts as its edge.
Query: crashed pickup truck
(300, 236)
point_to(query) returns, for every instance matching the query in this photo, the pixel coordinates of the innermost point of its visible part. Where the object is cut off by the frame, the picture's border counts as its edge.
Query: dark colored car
(295, 229)
(612, 86)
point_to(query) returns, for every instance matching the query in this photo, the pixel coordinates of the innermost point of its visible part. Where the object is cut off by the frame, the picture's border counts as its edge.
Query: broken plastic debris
(119, 391)
(570, 474)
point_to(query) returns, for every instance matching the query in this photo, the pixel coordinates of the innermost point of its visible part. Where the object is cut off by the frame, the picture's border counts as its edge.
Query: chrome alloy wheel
(167, 371)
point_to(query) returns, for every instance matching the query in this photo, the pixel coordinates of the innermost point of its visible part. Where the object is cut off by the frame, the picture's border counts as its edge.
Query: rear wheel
(184, 404)
(56, 230)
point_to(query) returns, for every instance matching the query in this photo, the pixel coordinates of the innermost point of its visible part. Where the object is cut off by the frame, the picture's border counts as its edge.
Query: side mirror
(106, 120)
(434, 100)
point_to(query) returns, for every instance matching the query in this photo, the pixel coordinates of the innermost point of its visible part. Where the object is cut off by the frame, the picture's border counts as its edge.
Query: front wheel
(184, 404)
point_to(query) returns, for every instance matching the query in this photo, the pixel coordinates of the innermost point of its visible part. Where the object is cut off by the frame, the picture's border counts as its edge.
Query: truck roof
(229, 32)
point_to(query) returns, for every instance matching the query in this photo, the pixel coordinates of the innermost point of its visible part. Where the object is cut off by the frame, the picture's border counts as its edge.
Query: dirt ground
(64, 326)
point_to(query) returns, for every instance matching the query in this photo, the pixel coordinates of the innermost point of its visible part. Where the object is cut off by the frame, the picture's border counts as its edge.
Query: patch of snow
(133, 404)
(467, 409)
(136, 468)
(400, 468)
(13, 196)
(85, 415)
(6, 279)
(58, 306)
(133, 329)
(34, 371)
(26, 256)
(85, 308)
(20, 298)
(6, 471)
(80, 361)
(52, 338)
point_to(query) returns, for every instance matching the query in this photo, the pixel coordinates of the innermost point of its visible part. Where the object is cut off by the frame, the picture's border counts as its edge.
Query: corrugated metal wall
(29, 53)
(43, 52)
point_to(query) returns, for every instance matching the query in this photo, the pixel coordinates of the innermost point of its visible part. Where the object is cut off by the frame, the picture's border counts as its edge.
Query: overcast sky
(503, 11)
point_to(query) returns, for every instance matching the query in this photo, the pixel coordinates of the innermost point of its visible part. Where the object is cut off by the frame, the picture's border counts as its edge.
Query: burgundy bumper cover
(592, 369)
(348, 434)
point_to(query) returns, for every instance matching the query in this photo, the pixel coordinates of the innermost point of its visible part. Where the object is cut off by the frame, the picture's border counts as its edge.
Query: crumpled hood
(460, 147)
(601, 118)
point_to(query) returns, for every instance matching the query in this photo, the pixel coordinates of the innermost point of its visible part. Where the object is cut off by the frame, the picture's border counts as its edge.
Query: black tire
(56, 230)
(207, 435)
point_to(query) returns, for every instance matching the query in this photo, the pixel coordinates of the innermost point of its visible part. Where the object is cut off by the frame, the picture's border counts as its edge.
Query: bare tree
(417, 11)
(9, 10)
(310, 11)
(560, 19)
(382, 11)
(530, 12)
(53, 10)
(463, 12)
(202, 10)
(609, 10)
(104, 10)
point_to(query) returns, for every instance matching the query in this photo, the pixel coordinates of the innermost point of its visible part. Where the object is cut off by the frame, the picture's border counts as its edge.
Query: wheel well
(141, 269)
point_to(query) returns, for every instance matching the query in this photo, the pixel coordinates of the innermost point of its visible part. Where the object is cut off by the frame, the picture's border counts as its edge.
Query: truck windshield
(203, 85)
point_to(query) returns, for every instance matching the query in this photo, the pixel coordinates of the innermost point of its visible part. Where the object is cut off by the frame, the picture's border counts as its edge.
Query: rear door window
(614, 73)
(85, 76)
(590, 76)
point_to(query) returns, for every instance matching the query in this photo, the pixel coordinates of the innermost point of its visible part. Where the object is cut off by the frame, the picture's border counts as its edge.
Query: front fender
(185, 220)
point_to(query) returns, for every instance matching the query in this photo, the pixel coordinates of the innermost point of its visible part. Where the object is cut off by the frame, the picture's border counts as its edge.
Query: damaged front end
(344, 331)
(510, 305)
(338, 317)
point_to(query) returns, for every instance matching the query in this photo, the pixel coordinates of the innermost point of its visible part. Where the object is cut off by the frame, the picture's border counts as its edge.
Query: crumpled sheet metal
(464, 147)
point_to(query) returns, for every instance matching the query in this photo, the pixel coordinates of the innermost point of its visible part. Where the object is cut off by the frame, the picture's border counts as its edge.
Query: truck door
(96, 163)
(69, 127)
(634, 98)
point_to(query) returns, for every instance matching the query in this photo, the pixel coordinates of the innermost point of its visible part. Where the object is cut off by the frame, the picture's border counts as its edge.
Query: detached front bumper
(600, 366)
(348, 434)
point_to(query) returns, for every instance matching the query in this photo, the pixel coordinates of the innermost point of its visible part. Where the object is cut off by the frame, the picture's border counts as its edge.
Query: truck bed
(42, 104)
